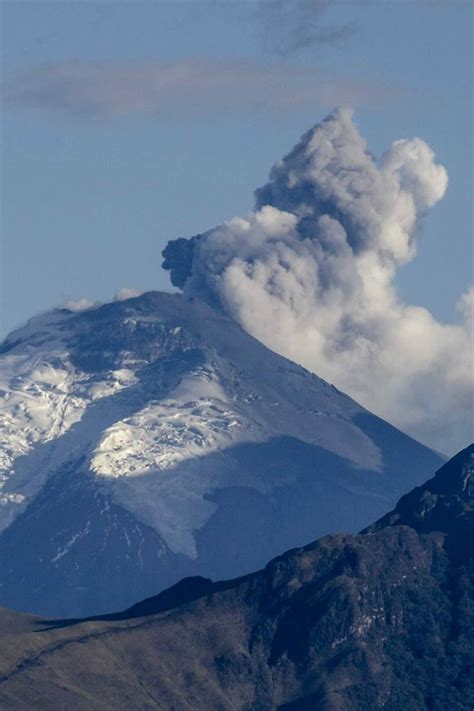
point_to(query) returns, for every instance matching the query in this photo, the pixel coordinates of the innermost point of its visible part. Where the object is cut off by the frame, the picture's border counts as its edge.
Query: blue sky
(95, 182)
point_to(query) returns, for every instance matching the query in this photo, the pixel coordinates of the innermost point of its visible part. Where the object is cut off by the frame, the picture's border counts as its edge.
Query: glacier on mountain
(154, 435)
(210, 409)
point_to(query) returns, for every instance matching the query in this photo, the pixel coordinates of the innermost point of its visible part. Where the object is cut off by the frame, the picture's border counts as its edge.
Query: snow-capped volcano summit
(152, 438)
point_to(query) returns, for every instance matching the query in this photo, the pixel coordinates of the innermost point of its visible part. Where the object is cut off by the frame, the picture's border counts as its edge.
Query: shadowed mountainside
(382, 619)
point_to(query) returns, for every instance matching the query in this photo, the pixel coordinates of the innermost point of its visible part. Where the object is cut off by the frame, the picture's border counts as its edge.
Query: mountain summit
(152, 438)
(378, 620)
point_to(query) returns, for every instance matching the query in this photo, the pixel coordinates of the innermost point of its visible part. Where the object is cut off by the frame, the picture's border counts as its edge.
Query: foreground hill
(150, 439)
(383, 619)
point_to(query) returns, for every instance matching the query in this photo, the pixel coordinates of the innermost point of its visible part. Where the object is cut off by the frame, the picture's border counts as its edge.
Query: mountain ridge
(381, 619)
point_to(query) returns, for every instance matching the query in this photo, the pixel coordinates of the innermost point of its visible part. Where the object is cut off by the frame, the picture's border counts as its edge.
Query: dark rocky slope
(383, 619)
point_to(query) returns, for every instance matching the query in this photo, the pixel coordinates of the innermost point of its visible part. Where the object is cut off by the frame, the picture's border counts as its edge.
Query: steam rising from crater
(310, 273)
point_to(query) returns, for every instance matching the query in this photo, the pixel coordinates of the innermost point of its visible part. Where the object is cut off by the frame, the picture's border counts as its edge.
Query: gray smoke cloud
(293, 25)
(310, 272)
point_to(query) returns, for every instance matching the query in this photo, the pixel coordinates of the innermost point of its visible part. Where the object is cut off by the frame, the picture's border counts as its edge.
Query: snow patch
(42, 396)
(156, 438)
(62, 551)
(194, 421)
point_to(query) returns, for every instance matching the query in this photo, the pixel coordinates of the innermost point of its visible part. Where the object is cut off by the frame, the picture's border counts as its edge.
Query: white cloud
(79, 305)
(125, 293)
(310, 272)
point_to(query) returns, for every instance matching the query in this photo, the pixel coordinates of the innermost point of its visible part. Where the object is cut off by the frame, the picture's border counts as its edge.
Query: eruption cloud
(310, 273)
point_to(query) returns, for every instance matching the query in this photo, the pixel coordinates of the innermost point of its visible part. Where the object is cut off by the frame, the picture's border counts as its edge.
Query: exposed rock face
(151, 439)
(382, 619)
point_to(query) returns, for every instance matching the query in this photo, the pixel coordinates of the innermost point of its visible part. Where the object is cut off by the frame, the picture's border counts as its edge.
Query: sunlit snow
(155, 442)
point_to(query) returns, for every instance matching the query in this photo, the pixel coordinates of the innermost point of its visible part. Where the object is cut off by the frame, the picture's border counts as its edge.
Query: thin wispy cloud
(292, 25)
(185, 88)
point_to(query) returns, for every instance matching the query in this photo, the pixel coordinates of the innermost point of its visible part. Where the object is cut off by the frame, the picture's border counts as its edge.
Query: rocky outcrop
(382, 619)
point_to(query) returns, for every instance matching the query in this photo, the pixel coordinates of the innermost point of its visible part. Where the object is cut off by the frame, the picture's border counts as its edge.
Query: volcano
(150, 439)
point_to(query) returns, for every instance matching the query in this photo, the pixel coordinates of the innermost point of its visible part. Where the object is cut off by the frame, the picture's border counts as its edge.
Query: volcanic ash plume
(310, 273)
